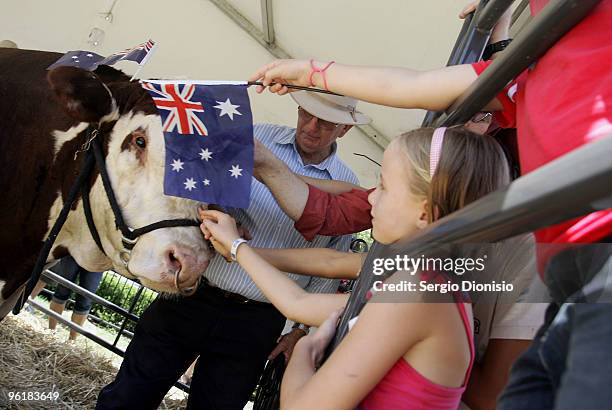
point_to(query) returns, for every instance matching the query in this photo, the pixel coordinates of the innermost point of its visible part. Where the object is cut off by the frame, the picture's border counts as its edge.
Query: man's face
(314, 135)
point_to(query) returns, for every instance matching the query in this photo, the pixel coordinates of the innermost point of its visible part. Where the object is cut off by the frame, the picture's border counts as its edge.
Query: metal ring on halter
(124, 255)
(187, 291)
(128, 243)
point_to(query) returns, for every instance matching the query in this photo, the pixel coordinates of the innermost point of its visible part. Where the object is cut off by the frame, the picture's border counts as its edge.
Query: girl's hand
(319, 340)
(294, 72)
(469, 8)
(219, 228)
(501, 31)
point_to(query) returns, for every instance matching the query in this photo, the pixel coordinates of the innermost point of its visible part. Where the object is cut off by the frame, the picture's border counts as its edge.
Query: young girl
(395, 356)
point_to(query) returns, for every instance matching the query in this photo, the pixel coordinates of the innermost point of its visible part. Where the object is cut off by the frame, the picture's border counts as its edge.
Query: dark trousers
(233, 341)
(569, 363)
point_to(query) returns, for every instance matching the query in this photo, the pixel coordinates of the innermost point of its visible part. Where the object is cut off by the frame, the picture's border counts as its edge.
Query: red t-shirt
(565, 101)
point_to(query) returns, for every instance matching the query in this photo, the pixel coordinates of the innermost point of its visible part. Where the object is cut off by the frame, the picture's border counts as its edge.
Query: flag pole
(144, 61)
(298, 87)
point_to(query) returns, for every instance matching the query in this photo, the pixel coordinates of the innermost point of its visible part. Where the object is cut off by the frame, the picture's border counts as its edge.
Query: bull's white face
(135, 164)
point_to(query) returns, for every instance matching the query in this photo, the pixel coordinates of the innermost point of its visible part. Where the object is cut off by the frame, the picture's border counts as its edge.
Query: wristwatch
(495, 48)
(234, 249)
(302, 327)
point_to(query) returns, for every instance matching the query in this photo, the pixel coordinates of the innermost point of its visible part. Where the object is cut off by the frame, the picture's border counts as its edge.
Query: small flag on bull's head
(79, 58)
(90, 61)
(139, 54)
(208, 130)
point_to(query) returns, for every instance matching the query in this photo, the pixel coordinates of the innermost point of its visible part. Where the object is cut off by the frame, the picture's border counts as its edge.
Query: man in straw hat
(228, 322)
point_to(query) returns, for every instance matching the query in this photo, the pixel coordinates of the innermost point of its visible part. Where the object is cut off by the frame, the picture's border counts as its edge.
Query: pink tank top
(405, 388)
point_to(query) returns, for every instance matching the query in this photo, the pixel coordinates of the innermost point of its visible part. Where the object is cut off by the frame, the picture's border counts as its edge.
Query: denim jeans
(68, 268)
(569, 364)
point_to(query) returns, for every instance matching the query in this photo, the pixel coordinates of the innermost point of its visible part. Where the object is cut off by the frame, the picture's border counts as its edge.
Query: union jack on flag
(208, 134)
(177, 100)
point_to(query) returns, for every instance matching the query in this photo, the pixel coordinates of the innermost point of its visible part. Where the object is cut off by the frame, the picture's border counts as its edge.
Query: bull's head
(133, 143)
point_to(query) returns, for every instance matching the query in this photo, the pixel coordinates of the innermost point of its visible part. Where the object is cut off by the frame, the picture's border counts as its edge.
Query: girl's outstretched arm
(392, 86)
(289, 298)
(323, 262)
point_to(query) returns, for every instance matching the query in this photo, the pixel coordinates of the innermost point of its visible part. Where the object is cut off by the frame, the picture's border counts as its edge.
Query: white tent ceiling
(199, 41)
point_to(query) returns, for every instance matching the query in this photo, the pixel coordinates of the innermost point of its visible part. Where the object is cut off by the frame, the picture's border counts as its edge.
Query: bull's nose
(187, 270)
(173, 260)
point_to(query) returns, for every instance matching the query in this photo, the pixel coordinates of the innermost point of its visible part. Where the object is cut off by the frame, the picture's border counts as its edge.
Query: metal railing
(128, 315)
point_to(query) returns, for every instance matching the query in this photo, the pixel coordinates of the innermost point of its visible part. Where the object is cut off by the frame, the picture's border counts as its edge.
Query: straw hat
(333, 108)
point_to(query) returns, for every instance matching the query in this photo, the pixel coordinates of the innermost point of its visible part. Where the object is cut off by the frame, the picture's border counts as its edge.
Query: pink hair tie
(321, 71)
(435, 149)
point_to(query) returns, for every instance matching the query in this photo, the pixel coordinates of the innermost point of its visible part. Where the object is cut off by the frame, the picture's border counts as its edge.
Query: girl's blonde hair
(470, 167)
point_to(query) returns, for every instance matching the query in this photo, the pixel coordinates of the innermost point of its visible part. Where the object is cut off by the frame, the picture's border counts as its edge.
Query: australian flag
(138, 54)
(208, 131)
(88, 60)
(79, 58)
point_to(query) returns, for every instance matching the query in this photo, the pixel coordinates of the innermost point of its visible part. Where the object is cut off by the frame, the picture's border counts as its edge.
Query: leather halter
(129, 236)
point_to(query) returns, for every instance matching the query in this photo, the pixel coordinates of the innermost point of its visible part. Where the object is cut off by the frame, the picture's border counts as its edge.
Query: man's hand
(286, 343)
(265, 162)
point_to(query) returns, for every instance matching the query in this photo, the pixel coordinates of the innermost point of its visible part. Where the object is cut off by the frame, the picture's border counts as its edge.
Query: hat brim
(321, 107)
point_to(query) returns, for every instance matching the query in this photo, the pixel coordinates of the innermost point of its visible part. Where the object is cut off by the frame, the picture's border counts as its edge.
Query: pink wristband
(319, 70)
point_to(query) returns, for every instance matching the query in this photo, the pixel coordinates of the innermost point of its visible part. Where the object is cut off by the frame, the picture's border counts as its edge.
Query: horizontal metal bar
(575, 184)
(73, 286)
(124, 333)
(557, 18)
(76, 327)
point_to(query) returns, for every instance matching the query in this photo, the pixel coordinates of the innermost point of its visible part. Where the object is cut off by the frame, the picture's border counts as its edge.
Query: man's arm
(332, 215)
(289, 189)
(319, 207)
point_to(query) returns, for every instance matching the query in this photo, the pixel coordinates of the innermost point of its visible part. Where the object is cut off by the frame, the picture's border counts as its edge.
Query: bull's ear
(81, 93)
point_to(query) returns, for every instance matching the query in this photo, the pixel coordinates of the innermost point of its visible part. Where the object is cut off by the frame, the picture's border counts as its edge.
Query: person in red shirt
(560, 104)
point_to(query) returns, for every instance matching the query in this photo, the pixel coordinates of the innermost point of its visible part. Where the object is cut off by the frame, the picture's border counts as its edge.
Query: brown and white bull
(43, 120)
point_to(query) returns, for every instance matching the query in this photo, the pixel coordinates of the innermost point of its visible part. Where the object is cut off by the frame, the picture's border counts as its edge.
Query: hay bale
(32, 358)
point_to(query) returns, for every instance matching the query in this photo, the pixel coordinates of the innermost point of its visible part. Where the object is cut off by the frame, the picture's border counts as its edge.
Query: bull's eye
(141, 142)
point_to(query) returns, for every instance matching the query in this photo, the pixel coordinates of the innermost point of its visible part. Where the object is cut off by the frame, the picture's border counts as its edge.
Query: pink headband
(435, 149)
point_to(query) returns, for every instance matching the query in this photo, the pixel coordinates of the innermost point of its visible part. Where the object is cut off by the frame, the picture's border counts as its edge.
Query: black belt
(231, 296)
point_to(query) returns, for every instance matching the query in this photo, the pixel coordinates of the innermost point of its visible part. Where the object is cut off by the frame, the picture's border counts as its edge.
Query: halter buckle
(87, 144)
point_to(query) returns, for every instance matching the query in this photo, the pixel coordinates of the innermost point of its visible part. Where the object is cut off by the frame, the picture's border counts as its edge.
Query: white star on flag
(177, 165)
(236, 171)
(227, 108)
(189, 184)
(206, 182)
(205, 154)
